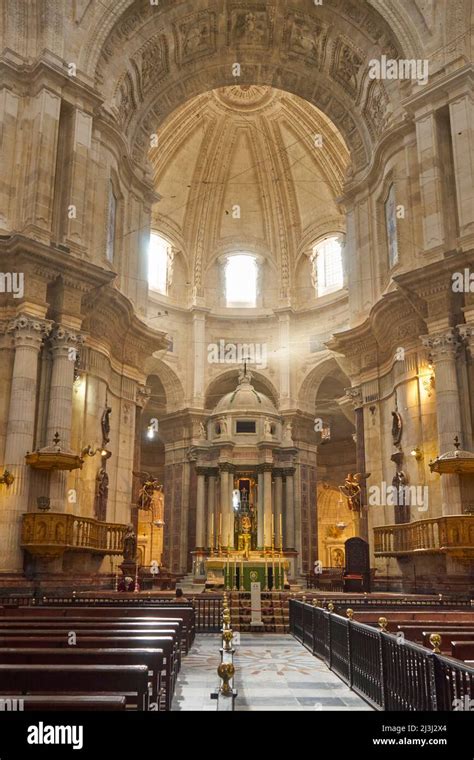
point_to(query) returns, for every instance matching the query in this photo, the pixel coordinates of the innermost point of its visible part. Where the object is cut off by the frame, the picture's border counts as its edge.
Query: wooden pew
(106, 641)
(447, 637)
(73, 624)
(175, 612)
(130, 681)
(462, 650)
(99, 632)
(71, 702)
(152, 658)
(417, 632)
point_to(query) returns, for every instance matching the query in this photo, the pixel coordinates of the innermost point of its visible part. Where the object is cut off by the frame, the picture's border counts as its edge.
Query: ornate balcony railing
(49, 535)
(453, 535)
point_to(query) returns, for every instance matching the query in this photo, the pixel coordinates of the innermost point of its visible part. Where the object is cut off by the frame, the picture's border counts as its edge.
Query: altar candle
(220, 524)
(281, 531)
(212, 531)
(273, 525)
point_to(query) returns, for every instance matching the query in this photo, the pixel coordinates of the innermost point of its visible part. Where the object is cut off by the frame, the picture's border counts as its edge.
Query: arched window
(327, 263)
(241, 274)
(158, 261)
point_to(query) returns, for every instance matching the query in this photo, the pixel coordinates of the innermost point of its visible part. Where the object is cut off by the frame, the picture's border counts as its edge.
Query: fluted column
(224, 494)
(289, 537)
(231, 508)
(260, 513)
(267, 504)
(64, 346)
(443, 348)
(27, 334)
(201, 485)
(211, 512)
(278, 507)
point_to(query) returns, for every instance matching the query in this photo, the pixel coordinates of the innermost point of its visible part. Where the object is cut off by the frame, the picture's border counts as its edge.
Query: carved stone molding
(29, 331)
(442, 345)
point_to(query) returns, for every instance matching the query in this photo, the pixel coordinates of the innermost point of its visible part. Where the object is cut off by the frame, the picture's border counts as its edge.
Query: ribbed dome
(245, 399)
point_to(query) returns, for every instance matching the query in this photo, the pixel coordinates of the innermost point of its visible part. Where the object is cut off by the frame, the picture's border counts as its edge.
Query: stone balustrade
(451, 534)
(49, 535)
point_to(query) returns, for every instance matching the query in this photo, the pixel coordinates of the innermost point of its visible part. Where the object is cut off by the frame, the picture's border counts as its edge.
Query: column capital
(467, 334)
(288, 472)
(226, 467)
(29, 331)
(265, 467)
(63, 339)
(442, 345)
(278, 472)
(142, 395)
(354, 394)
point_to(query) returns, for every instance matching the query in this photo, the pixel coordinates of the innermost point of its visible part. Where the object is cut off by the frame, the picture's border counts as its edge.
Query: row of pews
(93, 658)
(456, 629)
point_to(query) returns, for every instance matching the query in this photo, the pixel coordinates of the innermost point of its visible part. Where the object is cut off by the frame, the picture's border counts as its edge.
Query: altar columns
(27, 334)
(212, 517)
(224, 496)
(289, 538)
(260, 520)
(201, 484)
(231, 509)
(267, 504)
(278, 507)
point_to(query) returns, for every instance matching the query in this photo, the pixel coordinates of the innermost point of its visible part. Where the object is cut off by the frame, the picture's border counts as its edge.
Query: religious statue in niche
(397, 428)
(352, 490)
(105, 425)
(130, 544)
(202, 431)
(267, 427)
(101, 495)
(288, 435)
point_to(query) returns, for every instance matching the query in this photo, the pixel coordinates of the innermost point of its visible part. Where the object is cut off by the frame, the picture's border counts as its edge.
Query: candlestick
(212, 532)
(266, 575)
(241, 574)
(136, 589)
(281, 532)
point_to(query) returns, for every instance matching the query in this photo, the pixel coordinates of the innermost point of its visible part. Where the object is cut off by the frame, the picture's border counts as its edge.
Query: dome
(245, 399)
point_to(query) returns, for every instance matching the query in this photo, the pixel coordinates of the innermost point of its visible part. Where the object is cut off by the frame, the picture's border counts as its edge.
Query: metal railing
(388, 674)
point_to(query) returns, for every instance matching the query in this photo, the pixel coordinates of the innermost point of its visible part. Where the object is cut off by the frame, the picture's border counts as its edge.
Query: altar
(235, 572)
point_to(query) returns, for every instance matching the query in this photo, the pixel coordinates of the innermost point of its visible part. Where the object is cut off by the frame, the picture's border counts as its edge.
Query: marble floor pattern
(273, 672)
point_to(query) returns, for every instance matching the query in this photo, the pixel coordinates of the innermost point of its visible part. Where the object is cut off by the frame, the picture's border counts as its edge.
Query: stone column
(267, 504)
(260, 512)
(462, 132)
(200, 354)
(231, 508)
(430, 179)
(443, 348)
(201, 485)
(289, 537)
(211, 512)
(278, 507)
(27, 334)
(224, 508)
(64, 345)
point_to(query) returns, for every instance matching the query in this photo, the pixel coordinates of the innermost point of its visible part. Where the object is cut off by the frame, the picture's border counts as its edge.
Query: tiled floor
(273, 672)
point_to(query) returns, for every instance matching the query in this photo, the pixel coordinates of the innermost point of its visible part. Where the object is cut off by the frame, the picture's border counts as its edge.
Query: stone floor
(273, 672)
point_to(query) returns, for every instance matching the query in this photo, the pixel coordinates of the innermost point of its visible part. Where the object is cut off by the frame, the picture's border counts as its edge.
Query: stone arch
(311, 383)
(226, 382)
(169, 379)
(333, 43)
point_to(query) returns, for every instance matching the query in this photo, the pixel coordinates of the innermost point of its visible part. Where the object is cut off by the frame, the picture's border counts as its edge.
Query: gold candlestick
(281, 532)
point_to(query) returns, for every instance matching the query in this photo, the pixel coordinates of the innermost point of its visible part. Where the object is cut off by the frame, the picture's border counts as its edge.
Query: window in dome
(327, 260)
(245, 426)
(159, 251)
(241, 281)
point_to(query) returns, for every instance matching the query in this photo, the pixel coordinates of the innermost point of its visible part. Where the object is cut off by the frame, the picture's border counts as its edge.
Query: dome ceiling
(247, 167)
